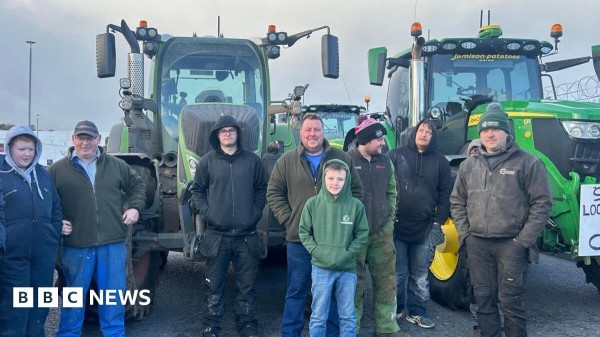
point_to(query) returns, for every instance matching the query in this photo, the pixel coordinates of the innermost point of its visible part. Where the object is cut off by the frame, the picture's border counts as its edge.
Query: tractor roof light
(556, 31)
(416, 29)
(430, 48)
(546, 47)
(449, 46)
(271, 29)
(529, 47)
(367, 99)
(468, 45)
(143, 23)
(150, 48)
(513, 46)
(273, 52)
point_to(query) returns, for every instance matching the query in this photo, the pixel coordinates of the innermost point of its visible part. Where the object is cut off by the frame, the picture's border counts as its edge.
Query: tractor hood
(559, 109)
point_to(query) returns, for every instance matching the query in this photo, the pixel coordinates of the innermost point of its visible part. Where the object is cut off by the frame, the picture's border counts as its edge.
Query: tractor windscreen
(455, 79)
(197, 71)
(457, 82)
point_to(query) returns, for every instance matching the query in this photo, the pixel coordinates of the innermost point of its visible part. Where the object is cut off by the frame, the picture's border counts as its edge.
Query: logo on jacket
(346, 220)
(506, 171)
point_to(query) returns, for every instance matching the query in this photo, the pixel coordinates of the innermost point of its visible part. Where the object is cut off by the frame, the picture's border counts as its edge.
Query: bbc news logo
(47, 297)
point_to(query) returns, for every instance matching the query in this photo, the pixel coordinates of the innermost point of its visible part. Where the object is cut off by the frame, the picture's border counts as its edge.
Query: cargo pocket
(209, 247)
(513, 285)
(254, 244)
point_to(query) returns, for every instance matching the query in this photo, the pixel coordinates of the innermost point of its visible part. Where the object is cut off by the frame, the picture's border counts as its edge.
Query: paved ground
(560, 304)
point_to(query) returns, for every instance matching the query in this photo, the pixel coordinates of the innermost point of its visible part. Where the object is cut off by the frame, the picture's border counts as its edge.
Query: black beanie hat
(368, 130)
(494, 118)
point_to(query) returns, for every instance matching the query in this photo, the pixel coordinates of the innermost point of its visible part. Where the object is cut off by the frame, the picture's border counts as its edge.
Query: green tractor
(451, 81)
(193, 81)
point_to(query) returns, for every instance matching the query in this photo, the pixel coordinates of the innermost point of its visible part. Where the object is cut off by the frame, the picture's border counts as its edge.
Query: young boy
(334, 229)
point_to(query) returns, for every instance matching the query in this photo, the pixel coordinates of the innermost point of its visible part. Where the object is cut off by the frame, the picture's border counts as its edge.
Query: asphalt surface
(559, 303)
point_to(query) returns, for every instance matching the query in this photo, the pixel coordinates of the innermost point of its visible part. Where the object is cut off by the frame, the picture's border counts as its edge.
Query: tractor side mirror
(330, 56)
(106, 58)
(596, 59)
(376, 58)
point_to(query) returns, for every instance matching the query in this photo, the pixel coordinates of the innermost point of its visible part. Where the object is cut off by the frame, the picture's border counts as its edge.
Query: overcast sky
(65, 87)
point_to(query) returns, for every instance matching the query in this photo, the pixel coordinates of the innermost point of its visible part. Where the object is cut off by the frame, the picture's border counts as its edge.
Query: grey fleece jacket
(510, 200)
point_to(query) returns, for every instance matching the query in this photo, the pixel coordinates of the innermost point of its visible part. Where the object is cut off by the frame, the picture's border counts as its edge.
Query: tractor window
(209, 71)
(337, 124)
(457, 78)
(398, 93)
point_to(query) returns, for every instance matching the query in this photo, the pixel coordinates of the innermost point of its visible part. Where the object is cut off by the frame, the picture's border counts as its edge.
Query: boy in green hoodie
(334, 229)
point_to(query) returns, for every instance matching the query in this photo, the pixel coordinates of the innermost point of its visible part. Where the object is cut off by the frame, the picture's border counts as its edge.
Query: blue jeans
(412, 266)
(323, 283)
(298, 282)
(106, 266)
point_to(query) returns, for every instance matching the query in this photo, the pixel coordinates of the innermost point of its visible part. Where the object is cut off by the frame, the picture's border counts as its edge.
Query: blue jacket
(29, 212)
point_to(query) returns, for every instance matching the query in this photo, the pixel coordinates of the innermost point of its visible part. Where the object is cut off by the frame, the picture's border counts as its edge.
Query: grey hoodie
(15, 131)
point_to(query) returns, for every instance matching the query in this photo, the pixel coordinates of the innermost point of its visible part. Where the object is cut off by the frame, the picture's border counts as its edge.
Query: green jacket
(334, 230)
(97, 215)
(291, 184)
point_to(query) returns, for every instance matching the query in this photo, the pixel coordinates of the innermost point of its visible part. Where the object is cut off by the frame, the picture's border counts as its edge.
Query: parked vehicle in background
(451, 81)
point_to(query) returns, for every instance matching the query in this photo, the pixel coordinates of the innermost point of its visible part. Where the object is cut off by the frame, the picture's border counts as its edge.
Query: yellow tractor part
(445, 261)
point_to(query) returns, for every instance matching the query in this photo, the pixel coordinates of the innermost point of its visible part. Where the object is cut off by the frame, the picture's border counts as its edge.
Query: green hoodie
(334, 230)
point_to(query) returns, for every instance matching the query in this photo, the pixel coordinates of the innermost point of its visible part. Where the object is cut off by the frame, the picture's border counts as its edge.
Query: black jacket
(424, 185)
(379, 185)
(229, 191)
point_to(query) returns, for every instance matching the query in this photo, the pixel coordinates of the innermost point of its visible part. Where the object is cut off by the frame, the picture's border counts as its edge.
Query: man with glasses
(91, 185)
(229, 194)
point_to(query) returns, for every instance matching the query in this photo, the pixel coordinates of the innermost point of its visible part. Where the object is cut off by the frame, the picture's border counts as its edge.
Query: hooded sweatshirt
(229, 191)
(31, 207)
(424, 185)
(334, 229)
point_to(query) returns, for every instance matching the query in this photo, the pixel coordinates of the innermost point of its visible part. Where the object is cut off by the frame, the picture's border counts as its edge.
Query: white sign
(589, 220)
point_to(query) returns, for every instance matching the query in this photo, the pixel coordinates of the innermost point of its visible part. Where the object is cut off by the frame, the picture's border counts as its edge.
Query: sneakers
(391, 334)
(421, 321)
(400, 315)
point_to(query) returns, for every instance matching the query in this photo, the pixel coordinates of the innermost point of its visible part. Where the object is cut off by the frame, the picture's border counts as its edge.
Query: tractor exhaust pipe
(170, 159)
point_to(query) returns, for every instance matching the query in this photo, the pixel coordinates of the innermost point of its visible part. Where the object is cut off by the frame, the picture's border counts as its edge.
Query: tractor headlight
(435, 112)
(193, 164)
(582, 130)
(594, 131)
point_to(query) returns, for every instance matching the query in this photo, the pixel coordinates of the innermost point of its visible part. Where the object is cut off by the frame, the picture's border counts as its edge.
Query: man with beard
(377, 174)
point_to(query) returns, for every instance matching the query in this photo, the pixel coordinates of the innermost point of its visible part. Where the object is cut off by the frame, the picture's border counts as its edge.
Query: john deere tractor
(451, 81)
(163, 135)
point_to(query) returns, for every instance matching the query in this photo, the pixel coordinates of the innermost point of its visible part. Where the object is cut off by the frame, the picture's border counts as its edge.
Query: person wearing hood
(94, 190)
(296, 177)
(334, 230)
(498, 178)
(228, 192)
(424, 185)
(33, 219)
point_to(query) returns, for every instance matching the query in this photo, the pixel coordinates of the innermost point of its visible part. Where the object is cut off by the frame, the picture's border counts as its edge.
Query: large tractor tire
(143, 265)
(448, 273)
(592, 272)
